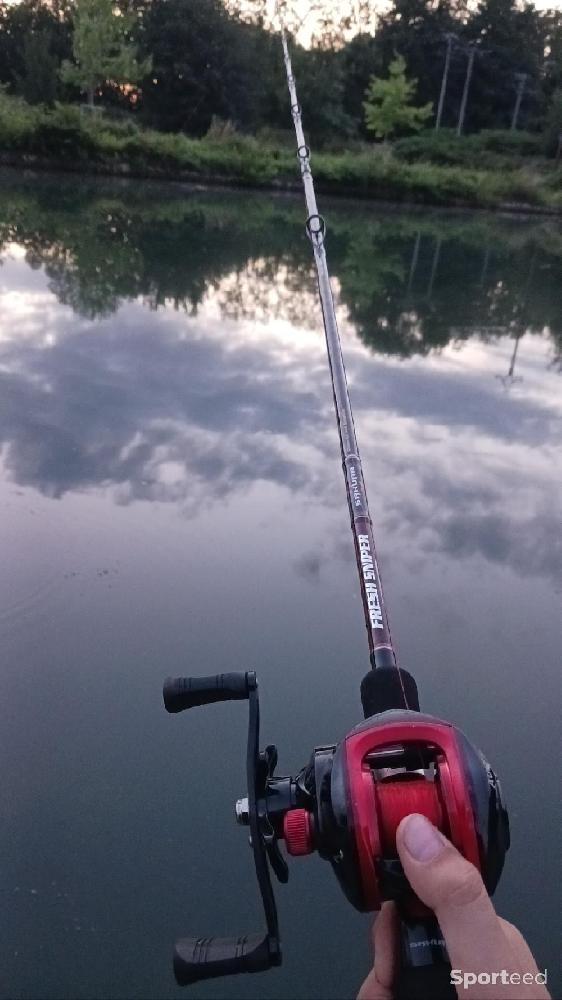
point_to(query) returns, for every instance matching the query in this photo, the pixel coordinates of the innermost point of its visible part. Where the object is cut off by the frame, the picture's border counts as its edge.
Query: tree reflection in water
(411, 282)
(180, 408)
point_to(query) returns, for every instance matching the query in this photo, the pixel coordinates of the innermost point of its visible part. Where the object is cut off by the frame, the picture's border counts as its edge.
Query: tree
(360, 59)
(35, 37)
(552, 65)
(102, 48)
(320, 80)
(512, 38)
(417, 29)
(205, 63)
(388, 105)
(39, 82)
(553, 123)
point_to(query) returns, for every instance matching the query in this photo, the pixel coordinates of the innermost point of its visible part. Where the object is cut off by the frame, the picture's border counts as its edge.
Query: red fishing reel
(346, 804)
(394, 764)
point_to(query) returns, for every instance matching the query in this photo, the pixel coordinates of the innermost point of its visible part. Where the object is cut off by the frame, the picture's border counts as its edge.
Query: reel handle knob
(181, 693)
(207, 958)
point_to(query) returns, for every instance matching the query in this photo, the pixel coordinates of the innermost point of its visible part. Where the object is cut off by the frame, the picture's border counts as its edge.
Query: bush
(276, 138)
(116, 127)
(489, 148)
(436, 168)
(63, 131)
(18, 121)
(510, 143)
(220, 130)
(387, 177)
(443, 147)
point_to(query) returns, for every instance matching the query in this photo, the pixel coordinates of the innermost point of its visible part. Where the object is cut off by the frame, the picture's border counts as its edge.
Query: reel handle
(197, 958)
(207, 958)
(181, 693)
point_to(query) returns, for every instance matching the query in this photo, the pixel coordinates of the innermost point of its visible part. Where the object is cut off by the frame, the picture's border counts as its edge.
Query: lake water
(172, 502)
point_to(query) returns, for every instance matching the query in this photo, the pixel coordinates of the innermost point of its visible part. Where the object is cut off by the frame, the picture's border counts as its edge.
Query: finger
(378, 984)
(385, 944)
(453, 888)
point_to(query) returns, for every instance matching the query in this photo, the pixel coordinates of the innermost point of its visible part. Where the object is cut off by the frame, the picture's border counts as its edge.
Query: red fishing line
(397, 799)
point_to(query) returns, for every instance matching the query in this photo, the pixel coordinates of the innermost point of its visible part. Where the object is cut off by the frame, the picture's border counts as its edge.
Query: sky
(304, 10)
(303, 7)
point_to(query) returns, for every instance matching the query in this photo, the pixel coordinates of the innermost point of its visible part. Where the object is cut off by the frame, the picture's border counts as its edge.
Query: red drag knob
(297, 831)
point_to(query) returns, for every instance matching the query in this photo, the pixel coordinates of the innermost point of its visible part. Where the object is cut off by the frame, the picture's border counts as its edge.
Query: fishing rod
(346, 803)
(381, 649)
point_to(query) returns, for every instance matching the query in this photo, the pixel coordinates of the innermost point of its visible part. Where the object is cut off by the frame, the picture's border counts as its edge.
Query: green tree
(552, 66)
(553, 123)
(511, 38)
(416, 29)
(39, 81)
(35, 37)
(205, 63)
(388, 105)
(102, 48)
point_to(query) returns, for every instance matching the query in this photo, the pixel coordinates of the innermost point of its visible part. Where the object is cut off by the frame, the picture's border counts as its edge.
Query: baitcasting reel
(346, 804)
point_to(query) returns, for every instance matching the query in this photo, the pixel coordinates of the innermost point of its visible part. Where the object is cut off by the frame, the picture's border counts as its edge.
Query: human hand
(477, 939)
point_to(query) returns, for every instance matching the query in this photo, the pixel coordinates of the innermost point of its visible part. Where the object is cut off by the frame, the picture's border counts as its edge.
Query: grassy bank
(63, 138)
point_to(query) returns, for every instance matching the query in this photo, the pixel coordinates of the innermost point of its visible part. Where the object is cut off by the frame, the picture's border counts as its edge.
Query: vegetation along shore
(194, 92)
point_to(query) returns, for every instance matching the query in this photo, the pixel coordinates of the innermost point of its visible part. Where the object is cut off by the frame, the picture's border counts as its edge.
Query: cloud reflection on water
(191, 409)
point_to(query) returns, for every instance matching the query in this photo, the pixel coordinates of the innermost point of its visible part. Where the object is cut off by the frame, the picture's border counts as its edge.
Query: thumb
(454, 890)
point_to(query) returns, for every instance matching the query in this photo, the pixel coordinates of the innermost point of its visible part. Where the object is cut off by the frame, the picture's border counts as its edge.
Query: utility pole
(511, 378)
(462, 112)
(485, 263)
(521, 81)
(434, 266)
(414, 263)
(450, 39)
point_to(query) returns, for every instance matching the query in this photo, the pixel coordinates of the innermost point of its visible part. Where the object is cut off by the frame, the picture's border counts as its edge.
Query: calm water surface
(172, 501)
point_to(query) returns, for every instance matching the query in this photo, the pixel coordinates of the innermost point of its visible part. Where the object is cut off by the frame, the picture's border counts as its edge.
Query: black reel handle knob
(207, 958)
(181, 693)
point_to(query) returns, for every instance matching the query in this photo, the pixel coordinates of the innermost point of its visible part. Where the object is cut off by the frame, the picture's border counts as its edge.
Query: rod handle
(429, 981)
(207, 958)
(424, 971)
(188, 692)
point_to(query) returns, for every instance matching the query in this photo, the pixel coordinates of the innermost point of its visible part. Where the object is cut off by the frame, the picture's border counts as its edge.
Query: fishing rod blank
(381, 649)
